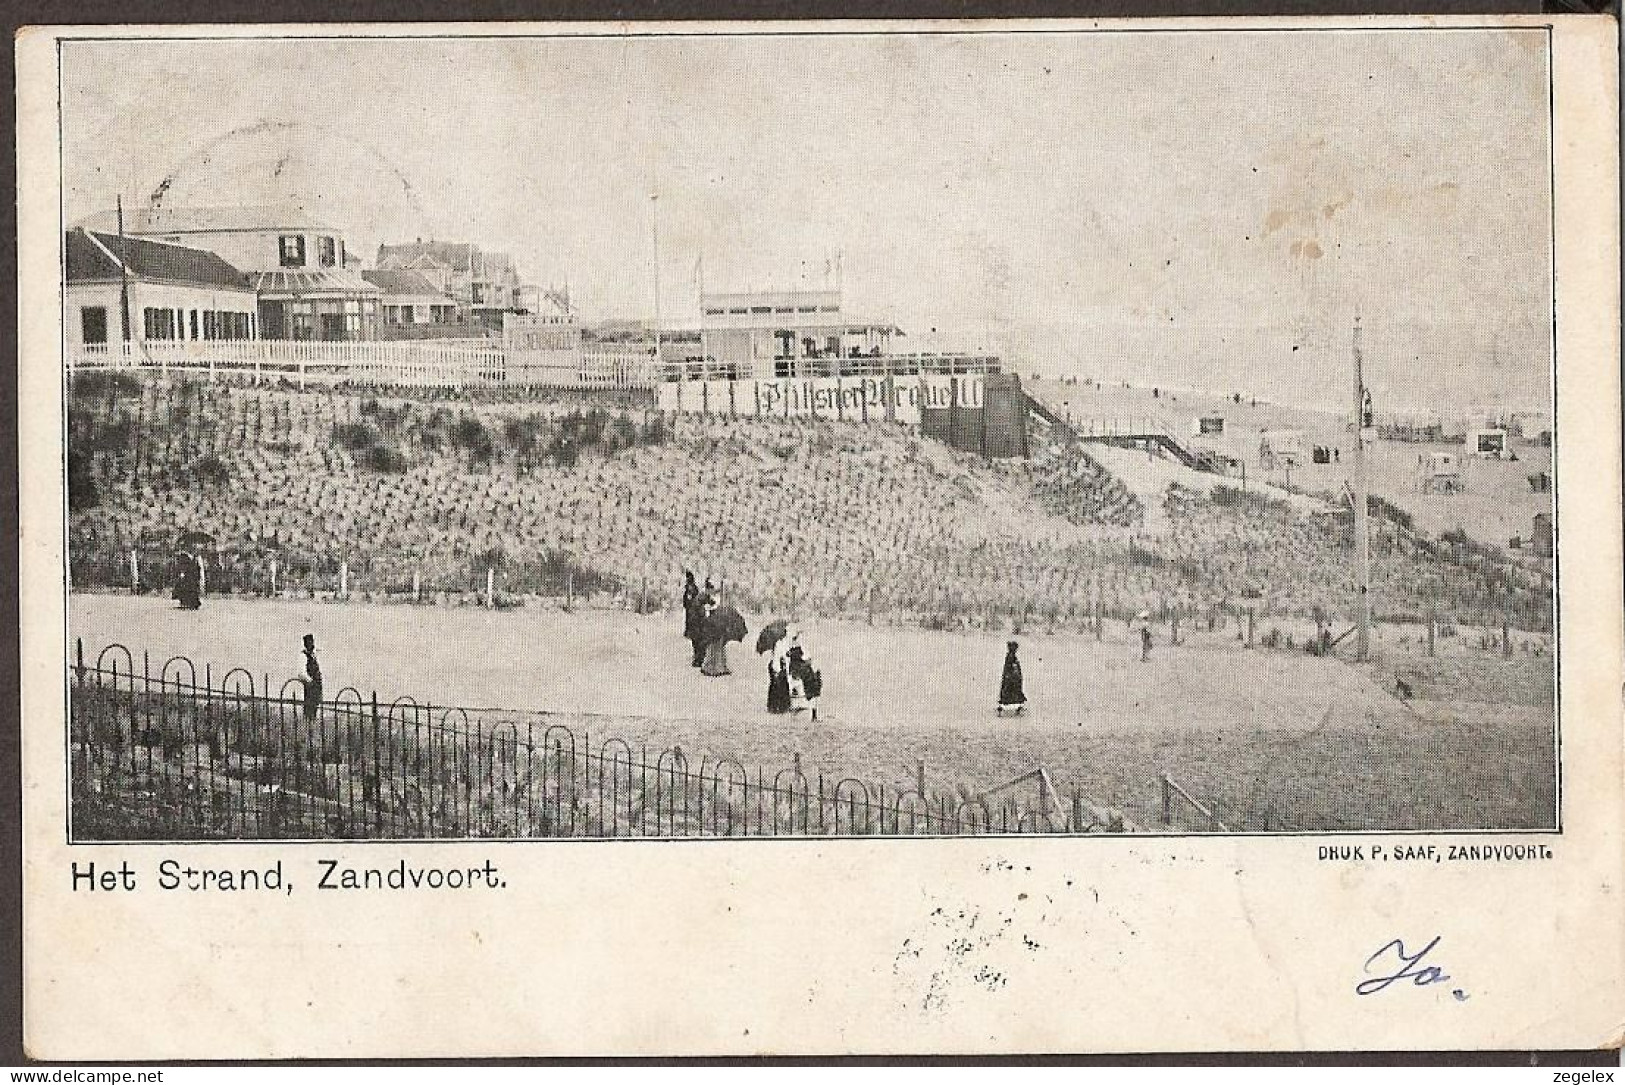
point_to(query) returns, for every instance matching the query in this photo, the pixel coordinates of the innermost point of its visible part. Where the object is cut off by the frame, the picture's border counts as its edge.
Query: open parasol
(727, 624)
(771, 634)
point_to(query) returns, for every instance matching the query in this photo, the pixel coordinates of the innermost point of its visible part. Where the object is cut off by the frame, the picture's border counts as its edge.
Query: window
(193, 322)
(93, 325)
(478, 293)
(326, 251)
(761, 308)
(158, 323)
(715, 312)
(738, 312)
(292, 247)
(226, 325)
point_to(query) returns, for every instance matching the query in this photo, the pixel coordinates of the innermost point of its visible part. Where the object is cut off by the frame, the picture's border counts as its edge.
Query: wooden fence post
(344, 580)
(417, 586)
(1249, 627)
(273, 578)
(1432, 627)
(569, 589)
(490, 589)
(1506, 639)
(1167, 801)
(135, 571)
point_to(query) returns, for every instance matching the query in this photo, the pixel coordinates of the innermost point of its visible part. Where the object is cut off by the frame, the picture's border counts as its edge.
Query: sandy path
(618, 663)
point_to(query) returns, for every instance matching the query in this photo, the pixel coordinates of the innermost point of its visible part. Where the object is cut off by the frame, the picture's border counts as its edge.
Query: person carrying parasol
(722, 623)
(771, 640)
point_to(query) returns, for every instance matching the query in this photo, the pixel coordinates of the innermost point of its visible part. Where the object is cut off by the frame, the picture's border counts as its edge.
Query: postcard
(821, 538)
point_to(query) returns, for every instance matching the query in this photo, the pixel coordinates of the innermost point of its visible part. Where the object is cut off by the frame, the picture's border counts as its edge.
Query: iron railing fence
(179, 754)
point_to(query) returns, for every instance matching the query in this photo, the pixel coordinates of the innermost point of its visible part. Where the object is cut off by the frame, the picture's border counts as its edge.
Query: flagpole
(1362, 527)
(654, 203)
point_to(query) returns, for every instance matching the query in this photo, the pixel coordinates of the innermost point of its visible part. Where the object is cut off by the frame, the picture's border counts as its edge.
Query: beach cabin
(1441, 473)
(1280, 448)
(1490, 443)
(1209, 425)
(1543, 534)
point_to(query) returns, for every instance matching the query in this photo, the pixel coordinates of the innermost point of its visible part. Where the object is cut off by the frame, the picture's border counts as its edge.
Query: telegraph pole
(654, 204)
(1362, 529)
(123, 282)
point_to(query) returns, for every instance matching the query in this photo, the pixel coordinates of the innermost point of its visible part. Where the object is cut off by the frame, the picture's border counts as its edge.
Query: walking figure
(1012, 697)
(1145, 637)
(694, 625)
(312, 679)
(691, 592)
(189, 581)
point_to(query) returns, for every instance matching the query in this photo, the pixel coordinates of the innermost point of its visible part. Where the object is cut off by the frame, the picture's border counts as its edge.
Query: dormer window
(293, 250)
(326, 251)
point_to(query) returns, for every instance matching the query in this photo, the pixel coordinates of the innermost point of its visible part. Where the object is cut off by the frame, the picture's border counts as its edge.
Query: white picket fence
(425, 363)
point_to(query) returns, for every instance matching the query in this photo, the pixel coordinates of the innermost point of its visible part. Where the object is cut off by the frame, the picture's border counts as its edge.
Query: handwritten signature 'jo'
(1411, 969)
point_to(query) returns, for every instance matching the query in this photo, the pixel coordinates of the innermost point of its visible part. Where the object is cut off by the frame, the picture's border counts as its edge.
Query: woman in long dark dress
(714, 661)
(1012, 697)
(694, 626)
(187, 589)
(778, 684)
(691, 592)
(805, 677)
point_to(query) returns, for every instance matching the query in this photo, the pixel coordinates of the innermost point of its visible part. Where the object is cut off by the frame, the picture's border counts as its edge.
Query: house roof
(401, 283)
(457, 255)
(285, 284)
(206, 220)
(98, 257)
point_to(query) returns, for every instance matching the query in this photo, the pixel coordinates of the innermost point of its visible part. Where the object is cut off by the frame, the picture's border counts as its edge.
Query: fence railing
(872, 365)
(173, 753)
(416, 363)
(455, 363)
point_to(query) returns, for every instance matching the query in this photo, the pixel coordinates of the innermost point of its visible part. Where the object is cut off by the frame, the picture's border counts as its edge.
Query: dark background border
(19, 13)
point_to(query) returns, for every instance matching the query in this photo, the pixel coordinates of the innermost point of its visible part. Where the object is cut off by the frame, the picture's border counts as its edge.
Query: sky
(1196, 208)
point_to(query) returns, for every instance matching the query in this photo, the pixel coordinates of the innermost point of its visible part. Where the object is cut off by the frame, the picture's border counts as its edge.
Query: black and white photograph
(832, 538)
(810, 435)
